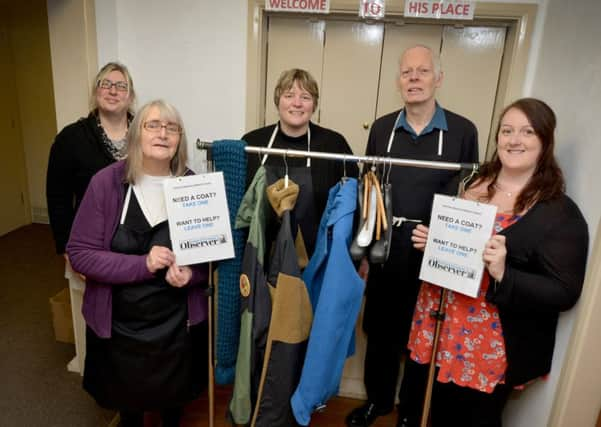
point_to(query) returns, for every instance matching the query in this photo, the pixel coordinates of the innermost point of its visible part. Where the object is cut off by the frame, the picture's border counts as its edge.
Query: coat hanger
(466, 180)
(286, 170)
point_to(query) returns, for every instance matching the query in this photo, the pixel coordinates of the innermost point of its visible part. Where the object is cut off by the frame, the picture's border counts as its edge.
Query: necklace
(507, 193)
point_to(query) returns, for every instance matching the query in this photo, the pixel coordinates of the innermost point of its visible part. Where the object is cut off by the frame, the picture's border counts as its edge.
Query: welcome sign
(309, 6)
(459, 230)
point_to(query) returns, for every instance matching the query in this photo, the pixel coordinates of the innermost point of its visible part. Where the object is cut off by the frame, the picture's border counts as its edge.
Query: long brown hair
(547, 181)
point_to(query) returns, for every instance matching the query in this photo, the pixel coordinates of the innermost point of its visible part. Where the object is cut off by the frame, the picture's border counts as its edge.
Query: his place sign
(441, 9)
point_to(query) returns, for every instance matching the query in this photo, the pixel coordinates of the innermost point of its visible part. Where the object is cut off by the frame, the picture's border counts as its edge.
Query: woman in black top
(536, 266)
(296, 96)
(84, 147)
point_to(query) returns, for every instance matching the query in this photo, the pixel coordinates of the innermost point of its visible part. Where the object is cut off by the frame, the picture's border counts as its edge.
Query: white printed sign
(199, 220)
(459, 229)
(372, 9)
(440, 9)
(309, 6)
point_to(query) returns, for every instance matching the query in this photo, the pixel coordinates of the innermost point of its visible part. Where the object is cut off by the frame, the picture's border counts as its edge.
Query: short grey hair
(435, 59)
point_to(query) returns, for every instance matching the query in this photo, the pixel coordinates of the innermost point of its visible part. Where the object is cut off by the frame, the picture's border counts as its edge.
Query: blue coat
(336, 291)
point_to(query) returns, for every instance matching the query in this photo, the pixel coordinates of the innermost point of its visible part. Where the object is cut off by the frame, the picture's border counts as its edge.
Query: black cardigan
(76, 155)
(544, 272)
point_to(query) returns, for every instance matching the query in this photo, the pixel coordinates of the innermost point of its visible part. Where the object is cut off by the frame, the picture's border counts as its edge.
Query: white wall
(191, 53)
(567, 75)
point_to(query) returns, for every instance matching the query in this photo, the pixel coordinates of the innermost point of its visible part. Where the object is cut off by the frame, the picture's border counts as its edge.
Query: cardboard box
(60, 306)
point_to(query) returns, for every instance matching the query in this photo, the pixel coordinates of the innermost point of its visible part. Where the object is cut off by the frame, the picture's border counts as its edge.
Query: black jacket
(76, 155)
(544, 273)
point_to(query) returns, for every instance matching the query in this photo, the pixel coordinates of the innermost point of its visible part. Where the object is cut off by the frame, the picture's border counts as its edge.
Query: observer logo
(455, 269)
(204, 242)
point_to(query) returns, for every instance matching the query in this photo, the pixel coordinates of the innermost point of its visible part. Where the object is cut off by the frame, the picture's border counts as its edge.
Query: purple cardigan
(89, 251)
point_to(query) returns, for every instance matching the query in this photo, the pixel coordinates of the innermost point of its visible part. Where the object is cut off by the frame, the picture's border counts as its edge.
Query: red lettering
(375, 8)
(435, 7)
(423, 8)
(413, 7)
(455, 9)
(298, 4)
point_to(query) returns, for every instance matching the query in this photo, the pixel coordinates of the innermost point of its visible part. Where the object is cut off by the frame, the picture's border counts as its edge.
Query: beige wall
(568, 76)
(71, 25)
(30, 47)
(72, 28)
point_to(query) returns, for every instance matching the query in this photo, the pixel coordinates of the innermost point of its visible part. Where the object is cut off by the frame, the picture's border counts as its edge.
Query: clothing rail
(393, 161)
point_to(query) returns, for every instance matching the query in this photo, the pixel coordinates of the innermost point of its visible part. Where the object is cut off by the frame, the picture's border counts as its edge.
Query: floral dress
(471, 349)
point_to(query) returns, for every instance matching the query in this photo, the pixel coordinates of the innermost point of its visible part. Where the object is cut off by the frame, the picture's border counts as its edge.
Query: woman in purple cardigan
(145, 315)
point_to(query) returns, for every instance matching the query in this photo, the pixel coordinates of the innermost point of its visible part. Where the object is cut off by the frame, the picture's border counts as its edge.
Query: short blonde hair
(104, 71)
(304, 79)
(133, 162)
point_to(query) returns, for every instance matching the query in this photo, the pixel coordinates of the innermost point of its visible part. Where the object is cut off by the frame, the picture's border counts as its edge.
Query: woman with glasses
(145, 315)
(535, 263)
(84, 147)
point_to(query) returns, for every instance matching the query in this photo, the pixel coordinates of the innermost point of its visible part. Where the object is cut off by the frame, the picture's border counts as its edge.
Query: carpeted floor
(35, 387)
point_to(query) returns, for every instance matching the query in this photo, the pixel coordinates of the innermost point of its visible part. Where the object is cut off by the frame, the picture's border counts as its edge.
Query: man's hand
(419, 237)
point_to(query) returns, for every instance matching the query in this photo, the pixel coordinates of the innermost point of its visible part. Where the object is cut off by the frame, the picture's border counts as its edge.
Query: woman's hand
(419, 237)
(159, 257)
(177, 276)
(494, 256)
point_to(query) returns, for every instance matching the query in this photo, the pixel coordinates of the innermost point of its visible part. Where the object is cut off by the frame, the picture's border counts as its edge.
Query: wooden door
(349, 84)
(303, 37)
(471, 61)
(356, 66)
(13, 181)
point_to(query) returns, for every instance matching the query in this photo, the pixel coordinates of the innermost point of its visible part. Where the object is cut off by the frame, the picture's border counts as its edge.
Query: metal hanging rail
(202, 145)
(370, 160)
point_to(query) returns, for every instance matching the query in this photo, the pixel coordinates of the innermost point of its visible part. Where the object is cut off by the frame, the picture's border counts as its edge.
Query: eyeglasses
(155, 126)
(121, 86)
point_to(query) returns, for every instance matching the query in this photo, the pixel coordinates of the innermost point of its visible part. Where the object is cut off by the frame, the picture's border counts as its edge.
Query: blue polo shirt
(439, 121)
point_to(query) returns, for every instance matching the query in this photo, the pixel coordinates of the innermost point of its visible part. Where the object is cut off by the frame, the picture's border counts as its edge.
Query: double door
(13, 178)
(356, 67)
